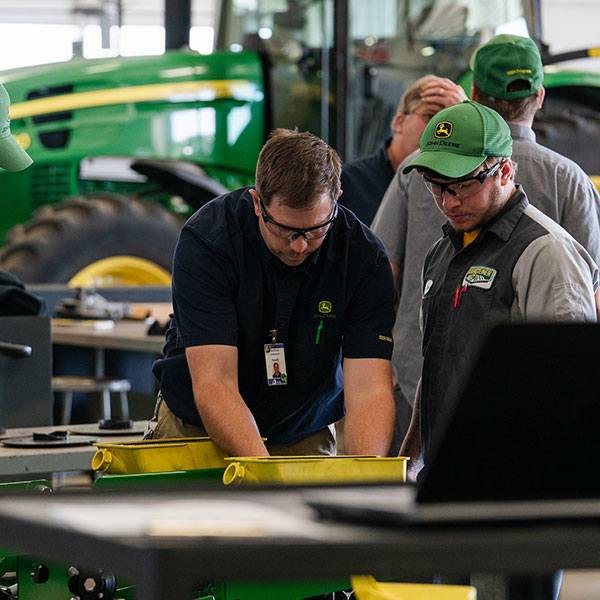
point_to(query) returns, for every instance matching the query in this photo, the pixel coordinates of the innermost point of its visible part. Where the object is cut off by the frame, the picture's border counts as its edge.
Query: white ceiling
(135, 12)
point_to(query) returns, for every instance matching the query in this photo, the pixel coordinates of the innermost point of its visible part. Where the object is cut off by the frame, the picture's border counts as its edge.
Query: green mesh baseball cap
(504, 59)
(12, 156)
(459, 138)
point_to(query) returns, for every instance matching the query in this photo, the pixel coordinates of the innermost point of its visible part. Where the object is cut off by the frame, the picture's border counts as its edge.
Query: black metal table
(168, 543)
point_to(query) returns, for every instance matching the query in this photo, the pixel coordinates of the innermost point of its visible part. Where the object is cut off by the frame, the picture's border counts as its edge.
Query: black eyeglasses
(293, 233)
(424, 116)
(461, 188)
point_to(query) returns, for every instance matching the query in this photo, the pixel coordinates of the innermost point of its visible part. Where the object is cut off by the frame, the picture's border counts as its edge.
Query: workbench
(123, 335)
(124, 350)
(168, 543)
(24, 461)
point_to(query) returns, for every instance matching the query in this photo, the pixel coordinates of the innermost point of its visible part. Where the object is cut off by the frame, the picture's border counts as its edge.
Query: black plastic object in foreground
(526, 424)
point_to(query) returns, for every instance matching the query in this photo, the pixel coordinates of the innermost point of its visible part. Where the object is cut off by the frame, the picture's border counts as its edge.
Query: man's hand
(224, 413)
(442, 92)
(370, 408)
(411, 446)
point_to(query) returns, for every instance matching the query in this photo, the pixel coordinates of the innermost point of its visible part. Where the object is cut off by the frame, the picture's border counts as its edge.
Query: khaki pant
(164, 424)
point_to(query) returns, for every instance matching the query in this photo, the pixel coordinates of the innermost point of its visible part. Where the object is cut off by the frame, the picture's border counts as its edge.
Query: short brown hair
(411, 98)
(514, 109)
(299, 167)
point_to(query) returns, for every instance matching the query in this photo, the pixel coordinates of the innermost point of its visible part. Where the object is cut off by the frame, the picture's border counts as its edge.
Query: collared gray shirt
(522, 267)
(408, 222)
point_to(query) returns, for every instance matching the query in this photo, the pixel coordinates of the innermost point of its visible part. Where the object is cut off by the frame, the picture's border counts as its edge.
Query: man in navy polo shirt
(280, 274)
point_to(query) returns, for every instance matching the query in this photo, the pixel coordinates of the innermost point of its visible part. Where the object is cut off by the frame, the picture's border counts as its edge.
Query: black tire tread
(63, 238)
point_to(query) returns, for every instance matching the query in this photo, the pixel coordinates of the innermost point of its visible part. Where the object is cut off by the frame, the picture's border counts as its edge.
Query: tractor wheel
(92, 241)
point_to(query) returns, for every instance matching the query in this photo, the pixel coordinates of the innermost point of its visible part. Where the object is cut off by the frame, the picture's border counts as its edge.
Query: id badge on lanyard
(275, 362)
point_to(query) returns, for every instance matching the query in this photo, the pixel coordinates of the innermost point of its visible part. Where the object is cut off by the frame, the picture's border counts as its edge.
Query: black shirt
(365, 181)
(229, 289)
(16, 300)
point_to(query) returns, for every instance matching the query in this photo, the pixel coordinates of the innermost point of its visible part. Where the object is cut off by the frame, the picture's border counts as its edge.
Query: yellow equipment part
(121, 270)
(314, 469)
(367, 588)
(156, 456)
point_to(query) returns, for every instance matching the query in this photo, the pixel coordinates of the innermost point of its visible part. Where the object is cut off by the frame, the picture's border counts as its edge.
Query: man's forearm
(225, 415)
(369, 427)
(229, 422)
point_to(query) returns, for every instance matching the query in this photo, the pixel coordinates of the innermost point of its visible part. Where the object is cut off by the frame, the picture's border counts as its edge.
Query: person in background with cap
(509, 69)
(14, 298)
(508, 76)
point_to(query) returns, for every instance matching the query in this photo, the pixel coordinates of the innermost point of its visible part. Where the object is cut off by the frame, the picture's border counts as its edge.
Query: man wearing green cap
(509, 69)
(500, 258)
(14, 299)
(12, 156)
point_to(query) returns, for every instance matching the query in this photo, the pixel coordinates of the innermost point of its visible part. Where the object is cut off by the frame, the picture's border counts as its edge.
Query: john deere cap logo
(443, 129)
(480, 276)
(324, 306)
(515, 71)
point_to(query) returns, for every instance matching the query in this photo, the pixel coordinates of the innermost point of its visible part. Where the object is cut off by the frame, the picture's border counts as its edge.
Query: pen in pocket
(319, 327)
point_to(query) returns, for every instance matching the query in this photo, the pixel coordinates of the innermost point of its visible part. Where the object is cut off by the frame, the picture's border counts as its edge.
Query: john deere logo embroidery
(443, 129)
(324, 306)
(515, 71)
(480, 277)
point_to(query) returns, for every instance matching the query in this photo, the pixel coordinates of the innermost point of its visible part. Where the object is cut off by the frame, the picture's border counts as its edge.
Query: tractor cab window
(390, 44)
(294, 38)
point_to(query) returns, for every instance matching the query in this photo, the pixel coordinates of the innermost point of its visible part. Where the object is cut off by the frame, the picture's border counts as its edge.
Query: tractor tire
(63, 238)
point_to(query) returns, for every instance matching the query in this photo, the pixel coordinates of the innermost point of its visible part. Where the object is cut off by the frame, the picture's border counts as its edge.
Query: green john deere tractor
(125, 149)
(112, 178)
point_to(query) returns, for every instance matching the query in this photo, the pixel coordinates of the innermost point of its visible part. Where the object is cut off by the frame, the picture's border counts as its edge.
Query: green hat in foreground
(459, 138)
(12, 156)
(504, 59)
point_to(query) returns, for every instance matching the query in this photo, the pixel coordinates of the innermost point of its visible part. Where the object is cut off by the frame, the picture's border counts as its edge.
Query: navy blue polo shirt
(229, 289)
(365, 181)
